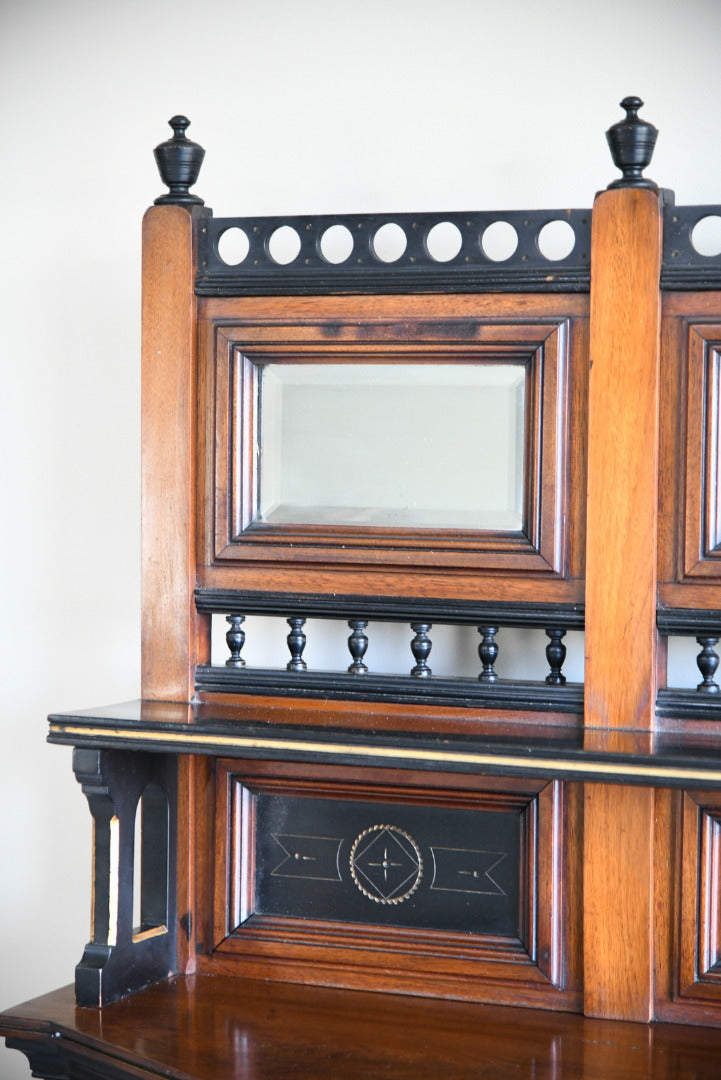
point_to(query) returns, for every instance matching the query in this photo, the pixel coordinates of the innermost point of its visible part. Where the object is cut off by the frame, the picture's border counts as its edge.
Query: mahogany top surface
(217, 1028)
(668, 757)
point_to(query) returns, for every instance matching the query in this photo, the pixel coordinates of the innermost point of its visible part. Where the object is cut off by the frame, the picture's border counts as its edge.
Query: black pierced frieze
(531, 258)
(423, 867)
(689, 262)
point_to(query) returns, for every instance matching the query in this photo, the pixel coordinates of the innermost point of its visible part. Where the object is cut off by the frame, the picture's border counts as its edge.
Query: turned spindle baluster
(421, 646)
(235, 639)
(556, 654)
(296, 643)
(707, 661)
(488, 653)
(357, 645)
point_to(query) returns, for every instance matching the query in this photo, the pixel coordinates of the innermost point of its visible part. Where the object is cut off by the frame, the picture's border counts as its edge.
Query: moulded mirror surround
(370, 475)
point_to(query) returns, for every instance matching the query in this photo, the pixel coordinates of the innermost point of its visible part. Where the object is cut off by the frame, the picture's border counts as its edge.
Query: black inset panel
(426, 867)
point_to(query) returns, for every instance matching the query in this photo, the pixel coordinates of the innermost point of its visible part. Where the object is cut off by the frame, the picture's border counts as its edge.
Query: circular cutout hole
(556, 240)
(336, 244)
(389, 242)
(499, 241)
(284, 245)
(706, 236)
(444, 241)
(233, 246)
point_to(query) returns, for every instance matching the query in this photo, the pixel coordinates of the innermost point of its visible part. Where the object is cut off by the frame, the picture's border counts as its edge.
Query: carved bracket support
(132, 944)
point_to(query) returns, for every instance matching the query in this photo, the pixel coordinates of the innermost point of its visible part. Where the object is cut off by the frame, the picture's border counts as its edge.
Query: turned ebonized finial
(632, 142)
(179, 160)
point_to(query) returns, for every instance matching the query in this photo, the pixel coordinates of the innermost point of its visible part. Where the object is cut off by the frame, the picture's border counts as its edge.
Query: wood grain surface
(618, 902)
(622, 513)
(171, 628)
(232, 1029)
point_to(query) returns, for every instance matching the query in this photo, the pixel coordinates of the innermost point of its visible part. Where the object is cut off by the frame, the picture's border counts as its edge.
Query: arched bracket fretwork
(121, 958)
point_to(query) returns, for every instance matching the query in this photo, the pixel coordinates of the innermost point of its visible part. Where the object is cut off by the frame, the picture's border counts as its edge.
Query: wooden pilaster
(621, 586)
(622, 509)
(170, 626)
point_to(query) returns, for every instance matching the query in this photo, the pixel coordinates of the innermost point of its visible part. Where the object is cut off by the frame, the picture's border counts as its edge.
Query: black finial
(631, 142)
(179, 160)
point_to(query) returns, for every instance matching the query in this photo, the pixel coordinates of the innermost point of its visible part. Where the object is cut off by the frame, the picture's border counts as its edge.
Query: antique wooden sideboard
(317, 851)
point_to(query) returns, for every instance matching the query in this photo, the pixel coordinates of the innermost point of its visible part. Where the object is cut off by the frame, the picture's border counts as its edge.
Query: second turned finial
(632, 142)
(179, 160)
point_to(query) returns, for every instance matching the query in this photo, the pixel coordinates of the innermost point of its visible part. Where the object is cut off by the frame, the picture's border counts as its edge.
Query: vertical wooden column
(622, 509)
(618, 902)
(170, 627)
(172, 632)
(621, 586)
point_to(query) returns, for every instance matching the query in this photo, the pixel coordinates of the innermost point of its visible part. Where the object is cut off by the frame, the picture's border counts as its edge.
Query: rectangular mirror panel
(398, 445)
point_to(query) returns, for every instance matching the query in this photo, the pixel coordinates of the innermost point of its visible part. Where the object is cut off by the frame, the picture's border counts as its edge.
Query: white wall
(314, 105)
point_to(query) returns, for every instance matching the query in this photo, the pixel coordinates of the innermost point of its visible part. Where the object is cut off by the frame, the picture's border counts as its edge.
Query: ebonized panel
(389, 864)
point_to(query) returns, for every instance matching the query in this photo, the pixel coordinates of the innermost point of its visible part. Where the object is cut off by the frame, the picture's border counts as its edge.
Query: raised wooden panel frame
(690, 459)
(538, 545)
(688, 907)
(699, 955)
(702, 517)
(385, 330)
(535, 965)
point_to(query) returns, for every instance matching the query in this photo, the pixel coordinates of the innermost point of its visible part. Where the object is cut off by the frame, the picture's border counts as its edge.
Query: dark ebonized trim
(391, 282)
(683, 268)
(388, 608)
(675, 704)
(457, 754)
(46, 1054)
(179, 161)
(393, 689)
(672, 760)
(59, 1053)
(691, 622)
(115, 962)
(526, 270)
(691, 279)
(631, 142)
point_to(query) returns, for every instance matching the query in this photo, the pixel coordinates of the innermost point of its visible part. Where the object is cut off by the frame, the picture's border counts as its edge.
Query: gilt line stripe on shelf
(527, 764)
